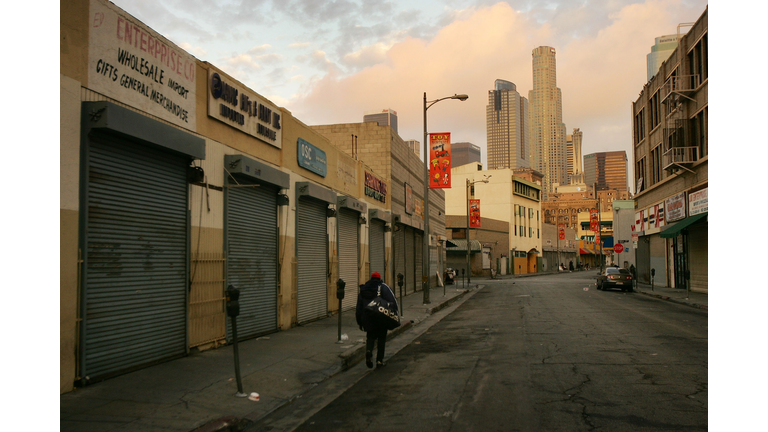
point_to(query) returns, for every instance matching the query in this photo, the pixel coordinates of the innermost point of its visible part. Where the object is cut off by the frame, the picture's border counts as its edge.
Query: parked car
(614, 277)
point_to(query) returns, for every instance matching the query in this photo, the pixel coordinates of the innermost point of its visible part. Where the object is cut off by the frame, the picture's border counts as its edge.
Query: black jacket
(367, 293)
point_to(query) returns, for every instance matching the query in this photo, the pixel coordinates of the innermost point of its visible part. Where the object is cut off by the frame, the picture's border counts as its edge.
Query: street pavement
(199, 392)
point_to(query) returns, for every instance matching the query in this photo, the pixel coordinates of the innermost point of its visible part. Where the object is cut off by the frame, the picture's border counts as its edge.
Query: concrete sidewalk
(197, 392)
(694, 299)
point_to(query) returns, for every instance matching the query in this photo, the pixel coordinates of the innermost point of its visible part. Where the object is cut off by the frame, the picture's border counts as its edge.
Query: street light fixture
(425, 251)
(469, 268)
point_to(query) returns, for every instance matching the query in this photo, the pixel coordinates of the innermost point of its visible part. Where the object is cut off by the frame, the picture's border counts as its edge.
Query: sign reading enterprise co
(243, 110)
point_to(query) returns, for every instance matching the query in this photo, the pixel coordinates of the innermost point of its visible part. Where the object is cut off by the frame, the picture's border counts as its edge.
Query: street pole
(469, 268)
(425, 252)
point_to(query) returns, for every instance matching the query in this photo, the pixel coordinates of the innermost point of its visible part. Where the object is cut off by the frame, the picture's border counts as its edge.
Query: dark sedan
(614, 277)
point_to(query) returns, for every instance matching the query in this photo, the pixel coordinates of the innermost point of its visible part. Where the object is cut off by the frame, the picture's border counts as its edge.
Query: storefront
(377, 247)
(349, 219)
(688, 244)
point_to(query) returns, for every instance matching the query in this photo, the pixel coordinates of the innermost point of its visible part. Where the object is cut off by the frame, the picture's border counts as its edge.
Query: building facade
(550, 156)
(463, 153)
(671, 147)
(178, 181)
(415, 147)
(573, 144)
(607, 170)
(508, 197)
(385, 117)
(660, 51)
(488, 246)
(508, 128)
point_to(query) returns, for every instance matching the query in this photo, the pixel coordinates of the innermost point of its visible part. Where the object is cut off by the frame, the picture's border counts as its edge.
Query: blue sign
(311, 158)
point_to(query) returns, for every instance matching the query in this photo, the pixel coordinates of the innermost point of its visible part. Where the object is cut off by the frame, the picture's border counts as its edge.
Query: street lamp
(425, 251)
(469, 268)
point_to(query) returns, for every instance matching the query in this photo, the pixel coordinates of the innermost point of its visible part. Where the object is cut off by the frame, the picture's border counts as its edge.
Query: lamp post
(425, 251)
(469, 268)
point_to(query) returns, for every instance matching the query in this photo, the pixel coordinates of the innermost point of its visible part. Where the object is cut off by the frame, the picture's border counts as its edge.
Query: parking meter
(233, 303)
(340, 284)
(400, 284)
(653, 276)
(400, 280)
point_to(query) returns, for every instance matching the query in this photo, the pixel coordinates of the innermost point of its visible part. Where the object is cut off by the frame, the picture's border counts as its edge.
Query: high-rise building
(415, 146)
(385, 117)
(606, 170)
(507, 127)
(665, 45)
(547, 128)
(463, 153)
(573, 147)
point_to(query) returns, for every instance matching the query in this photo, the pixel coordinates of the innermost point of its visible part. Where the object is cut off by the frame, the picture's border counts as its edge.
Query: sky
(331, 61)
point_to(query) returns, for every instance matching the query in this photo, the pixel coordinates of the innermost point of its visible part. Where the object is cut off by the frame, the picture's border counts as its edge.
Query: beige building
(573, 143)
(488, 246)
(508, 128)
(178, 181)
(510, 197)
(671, 148)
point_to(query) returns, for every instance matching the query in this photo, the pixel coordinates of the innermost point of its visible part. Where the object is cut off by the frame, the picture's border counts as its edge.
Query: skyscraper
(664, 47)
(547, 128)
(463, 153)
(385, 117)
(608, 170)
(573, 146)
(506, 119)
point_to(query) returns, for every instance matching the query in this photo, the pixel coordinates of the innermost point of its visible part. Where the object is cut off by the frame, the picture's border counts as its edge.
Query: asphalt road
(546, 353)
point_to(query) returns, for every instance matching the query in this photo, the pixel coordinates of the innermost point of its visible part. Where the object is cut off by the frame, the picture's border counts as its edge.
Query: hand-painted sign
(311, 158)
(675, 207)
(440, 160)
(409, 203)
(698, 202)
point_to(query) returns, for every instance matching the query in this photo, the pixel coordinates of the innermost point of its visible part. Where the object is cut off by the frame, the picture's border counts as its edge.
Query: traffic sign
(618, 248)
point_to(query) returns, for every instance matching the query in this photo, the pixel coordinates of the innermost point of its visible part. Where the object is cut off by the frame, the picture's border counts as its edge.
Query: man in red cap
(376, 333)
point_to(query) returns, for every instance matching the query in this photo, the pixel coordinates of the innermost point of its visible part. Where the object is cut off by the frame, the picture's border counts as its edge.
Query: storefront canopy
(675, 229)
(461, 246)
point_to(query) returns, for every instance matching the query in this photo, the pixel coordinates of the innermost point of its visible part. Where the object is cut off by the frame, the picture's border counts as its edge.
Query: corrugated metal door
(135, 263)
(377, 247)
(398, 255)
(418, 246)
(410, 264)
(698, 256)
(312, 257)
(252, 256)
(348, 255)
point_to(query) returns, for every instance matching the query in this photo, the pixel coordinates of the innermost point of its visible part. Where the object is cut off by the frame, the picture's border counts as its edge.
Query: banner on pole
(594, 221)
(440, 160)
(474, 213)
(561, 231)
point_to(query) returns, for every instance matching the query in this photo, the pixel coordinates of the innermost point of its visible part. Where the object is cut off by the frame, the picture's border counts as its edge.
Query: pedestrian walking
(376, 333)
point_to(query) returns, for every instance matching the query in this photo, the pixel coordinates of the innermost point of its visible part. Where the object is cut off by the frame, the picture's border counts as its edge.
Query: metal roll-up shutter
(698, 256)
(135, 259)
(252, 247)
(410, 264)
(398, 254)
(348, 255)
(312, 259)
(377, 247)
(643, 258)
(418, 243)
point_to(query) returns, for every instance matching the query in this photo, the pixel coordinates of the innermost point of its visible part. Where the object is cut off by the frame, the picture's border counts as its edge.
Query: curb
(675, 300)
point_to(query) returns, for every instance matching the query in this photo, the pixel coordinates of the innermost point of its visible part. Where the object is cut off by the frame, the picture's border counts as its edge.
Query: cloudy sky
(331, 61)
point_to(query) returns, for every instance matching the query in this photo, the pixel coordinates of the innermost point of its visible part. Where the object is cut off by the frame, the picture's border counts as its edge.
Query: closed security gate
(418, 246)
(348, 255)
(135, 257)
(410, 264)
(312, 257)
(377, 248)
(252, 256)
(398, 255)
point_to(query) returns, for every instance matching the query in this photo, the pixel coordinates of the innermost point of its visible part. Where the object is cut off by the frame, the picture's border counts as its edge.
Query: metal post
(425, 252)
(469, 268)
(237, 359)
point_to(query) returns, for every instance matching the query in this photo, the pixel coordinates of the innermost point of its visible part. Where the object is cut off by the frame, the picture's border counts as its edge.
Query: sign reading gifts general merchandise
(130, 63)
(242, 109)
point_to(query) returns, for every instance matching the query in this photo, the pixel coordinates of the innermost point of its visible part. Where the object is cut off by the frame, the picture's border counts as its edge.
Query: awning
(673, 230)
(584, 252)
(461, 246)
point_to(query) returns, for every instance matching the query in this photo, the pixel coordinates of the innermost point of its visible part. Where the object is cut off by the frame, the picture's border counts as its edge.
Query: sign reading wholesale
(230, 103)
(440, 160)
(129, 62)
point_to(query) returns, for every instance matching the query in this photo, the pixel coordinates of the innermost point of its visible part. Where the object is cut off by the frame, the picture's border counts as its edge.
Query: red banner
(474, 213)
(561, 232)
(440, 160)
(594, 221)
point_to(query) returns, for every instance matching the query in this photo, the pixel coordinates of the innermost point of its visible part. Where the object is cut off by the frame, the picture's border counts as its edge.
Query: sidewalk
(676, 295)
(197, 392)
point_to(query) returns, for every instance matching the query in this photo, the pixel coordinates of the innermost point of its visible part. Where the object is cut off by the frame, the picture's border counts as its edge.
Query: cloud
(260, 49)
(367, 56)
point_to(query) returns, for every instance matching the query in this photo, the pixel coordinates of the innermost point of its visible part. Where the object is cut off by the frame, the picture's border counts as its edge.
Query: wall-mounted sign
(311, 157)
(474, 213)
(131, 63)
(675, 207)
(242, 109)
(697, 202)
(440, 160)
(410, 205)
(375, 187)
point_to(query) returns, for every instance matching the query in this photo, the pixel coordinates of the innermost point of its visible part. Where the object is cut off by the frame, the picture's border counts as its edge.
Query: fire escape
(677, 95)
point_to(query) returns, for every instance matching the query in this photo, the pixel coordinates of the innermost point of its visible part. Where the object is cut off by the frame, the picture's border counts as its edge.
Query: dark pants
(381, 337)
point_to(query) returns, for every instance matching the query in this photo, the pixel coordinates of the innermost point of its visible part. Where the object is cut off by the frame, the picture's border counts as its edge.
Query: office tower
(385, 117)
(573, 146)
(463, 153)
(548, 131)
(665, 45)
(608, 170)
(415, 146)
(507, 126)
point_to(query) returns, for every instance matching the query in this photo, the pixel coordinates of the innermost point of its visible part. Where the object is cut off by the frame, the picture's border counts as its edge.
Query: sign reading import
(132, 64)
(230, 103)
